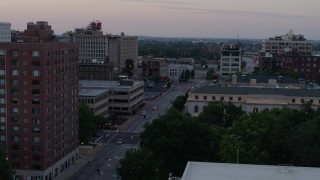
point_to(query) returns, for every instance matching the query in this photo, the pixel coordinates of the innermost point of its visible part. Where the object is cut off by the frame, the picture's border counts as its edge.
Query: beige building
(230, 59)
(251, 99)
(122, 48)
(287, 43)
(96, 99)
(125, 96)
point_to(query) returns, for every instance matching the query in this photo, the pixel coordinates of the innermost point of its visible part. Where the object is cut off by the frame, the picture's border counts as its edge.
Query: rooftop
(264, 79)
(92, 92)
(224, 171)
(111, 85)
(257, 91)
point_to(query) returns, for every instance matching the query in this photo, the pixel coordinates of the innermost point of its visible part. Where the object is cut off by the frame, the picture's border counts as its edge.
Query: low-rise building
(96, 99)
(125, 96)
(175, 70)
(231, 59)
(251, 99)
(151, 65)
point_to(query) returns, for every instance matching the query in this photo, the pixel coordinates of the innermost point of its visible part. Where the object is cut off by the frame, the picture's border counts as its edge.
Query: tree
(187, 74)
(183, 75)
(155, 77)
(192, 74)
(138, 165)
(185, 139)
(129, 67)
(179, 102)
(87, 123)
(5, 168)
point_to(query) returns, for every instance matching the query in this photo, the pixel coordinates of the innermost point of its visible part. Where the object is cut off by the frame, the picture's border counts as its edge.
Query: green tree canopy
(87, 123)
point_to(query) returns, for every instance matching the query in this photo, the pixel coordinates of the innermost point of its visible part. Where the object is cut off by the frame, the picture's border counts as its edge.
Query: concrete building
(175, 70)
(97, 71)
(125, 96)
(5, 32)
(251, 99)
(151, 65)
(38, 103)
(93, 45)
(96, 99)
(287, 43)
(231, 59)
(122, 48)
(225, 171)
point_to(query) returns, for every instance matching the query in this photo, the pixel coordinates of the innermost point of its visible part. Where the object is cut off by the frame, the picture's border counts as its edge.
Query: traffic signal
(98, 171)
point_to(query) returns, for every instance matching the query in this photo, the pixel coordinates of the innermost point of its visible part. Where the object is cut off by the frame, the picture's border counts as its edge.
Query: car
(143, 112)
(154, 108)
(146, 116)
(119, 141)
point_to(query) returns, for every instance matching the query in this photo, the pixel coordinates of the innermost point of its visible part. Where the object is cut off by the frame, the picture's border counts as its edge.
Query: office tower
(38, 103)
(5, 32)
(231, 58)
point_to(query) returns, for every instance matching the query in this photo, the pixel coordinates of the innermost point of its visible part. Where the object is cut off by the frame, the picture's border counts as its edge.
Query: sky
(253, 19)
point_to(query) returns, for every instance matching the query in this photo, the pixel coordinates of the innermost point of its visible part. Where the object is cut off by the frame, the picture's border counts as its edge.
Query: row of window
(15, 110)
(16, 120)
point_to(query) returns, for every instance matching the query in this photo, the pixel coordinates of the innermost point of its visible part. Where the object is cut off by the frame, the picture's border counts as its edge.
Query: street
(107, 160)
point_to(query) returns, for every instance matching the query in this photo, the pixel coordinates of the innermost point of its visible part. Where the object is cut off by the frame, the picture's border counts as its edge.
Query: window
(35, 82)
(2, 128)
(2, 52)
(35, 73)
(239, 98)
(14, 63)
(35, 92)
(35, 53)
(213, 98)
(35, 111)
(311, 101)
(1, 72)
(255, 110)
(35, 63)
(15, 128)
(2, 110)
(15, 138)
(221, 98)
(36, 129)
(15, 53)
(2, 91)
(36, 121)
(15, 72)
(230, 98)
(204, 97)
(302, 100)
(35, 101)
(293, 100)
(15, 91)
(196, 97)
(2, 138)
(15, 110)
(2, 119)
(15, 82)
(15, 101)
(36, 139)
(2, 101)
(2, 81)
(196, 109)
(15, 119)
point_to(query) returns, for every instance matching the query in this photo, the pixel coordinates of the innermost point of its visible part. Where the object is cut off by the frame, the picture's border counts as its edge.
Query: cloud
(237, 12)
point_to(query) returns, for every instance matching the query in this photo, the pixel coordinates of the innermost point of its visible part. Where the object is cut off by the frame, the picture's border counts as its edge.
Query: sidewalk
(85, 155)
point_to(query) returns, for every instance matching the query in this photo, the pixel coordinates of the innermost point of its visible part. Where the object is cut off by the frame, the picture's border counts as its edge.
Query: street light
(237, 156)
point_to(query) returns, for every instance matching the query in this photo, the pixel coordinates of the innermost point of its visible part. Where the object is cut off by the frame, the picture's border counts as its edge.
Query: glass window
(15, 82)
(2, 110)
(2, 119)
(35, 63)
(1, 72)
(15, 128)
(36, 139)
(15, 72)
(35, 53)
(2, 138)
(15, 53)
(196, 97)
(196, 109)
(2, 81)
(35, 73)
(36, 121)
(15, 138)
(15, 110)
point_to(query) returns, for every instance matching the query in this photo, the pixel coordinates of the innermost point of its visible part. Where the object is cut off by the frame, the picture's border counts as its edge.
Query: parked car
(143, 112)
(146, 116)
(154, 108)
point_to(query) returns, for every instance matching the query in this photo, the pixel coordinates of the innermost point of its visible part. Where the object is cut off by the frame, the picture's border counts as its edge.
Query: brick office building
(38, 103)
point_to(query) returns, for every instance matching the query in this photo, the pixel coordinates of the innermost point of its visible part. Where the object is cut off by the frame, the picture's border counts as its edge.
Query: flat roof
(101, 84)
(225, 171)
(256, 91)
(92, 92)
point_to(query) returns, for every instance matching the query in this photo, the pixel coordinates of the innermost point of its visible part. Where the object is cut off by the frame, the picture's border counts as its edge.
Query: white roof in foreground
(224, 171)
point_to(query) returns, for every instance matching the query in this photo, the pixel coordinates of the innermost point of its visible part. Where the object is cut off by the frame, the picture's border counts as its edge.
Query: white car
(119, 141)
(154, 108)
(143, 112)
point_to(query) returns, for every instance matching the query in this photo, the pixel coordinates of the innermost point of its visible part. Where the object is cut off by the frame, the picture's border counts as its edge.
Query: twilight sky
(172, 18)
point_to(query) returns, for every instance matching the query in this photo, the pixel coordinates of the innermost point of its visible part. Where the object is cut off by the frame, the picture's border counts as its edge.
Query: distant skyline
(172, 18)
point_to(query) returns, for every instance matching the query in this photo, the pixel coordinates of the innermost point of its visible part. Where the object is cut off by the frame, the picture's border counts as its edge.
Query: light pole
(237, 156)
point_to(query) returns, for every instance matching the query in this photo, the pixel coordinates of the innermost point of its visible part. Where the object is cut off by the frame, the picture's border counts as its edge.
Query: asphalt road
(107, 160)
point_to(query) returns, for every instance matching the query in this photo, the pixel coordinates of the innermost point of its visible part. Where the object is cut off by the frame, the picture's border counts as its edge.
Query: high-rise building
(122, 48)
(5, 32)
(93, 45)
(38, 103)
(287, 43)
(231, 58)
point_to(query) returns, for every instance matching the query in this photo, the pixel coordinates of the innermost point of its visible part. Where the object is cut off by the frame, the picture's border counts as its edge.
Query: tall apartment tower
(93, 45)
(38, 103)
(231, 58)
(287, 43)
(5, 32)
(122, 48)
